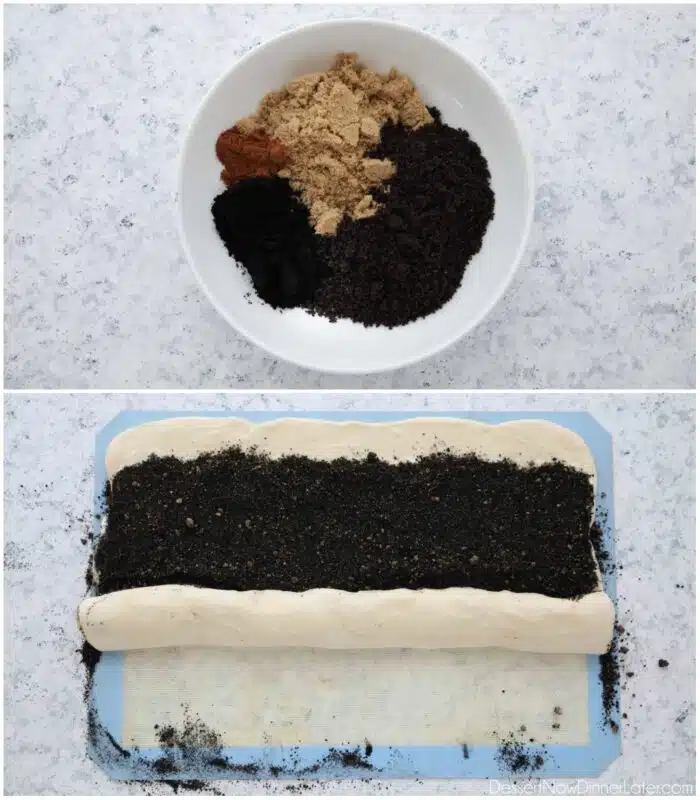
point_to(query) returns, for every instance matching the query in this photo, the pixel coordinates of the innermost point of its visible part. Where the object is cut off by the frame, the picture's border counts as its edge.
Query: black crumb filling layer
(240, 520)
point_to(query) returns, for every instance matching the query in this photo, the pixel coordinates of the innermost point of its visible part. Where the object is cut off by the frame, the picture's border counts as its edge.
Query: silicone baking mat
(411, 707)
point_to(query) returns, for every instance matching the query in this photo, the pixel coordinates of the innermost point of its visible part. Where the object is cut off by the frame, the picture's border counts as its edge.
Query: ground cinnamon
(249, 154)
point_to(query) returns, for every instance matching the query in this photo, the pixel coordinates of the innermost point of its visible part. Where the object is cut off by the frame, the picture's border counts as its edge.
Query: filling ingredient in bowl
(392, 202)
(265, 227)
(249, 154)
(409, 259)
(329, 120)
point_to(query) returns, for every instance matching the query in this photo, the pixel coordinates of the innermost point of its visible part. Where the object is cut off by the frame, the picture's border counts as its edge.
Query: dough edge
(167, 616)
(523, 441)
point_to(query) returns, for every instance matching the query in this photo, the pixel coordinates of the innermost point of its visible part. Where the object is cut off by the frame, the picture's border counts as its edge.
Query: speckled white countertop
(49, 450)
(99, 293)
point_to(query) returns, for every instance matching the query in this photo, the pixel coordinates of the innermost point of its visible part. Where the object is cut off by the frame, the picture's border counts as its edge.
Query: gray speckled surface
(99, 293)
(49, 445)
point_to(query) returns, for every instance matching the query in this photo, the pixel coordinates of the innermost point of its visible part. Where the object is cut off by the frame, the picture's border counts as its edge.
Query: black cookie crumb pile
(240, 520)
(605, 560)
(194, 747)
(610, 678)
(89, 579)
(611, 661)
(517, 758)
(402, 264)
(102, 740)
(408, 260)
(89, 658)
(191, 748)
(266, 229)
(347, 758)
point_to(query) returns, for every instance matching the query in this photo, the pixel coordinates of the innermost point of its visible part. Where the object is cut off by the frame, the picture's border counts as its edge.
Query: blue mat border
(389, 762)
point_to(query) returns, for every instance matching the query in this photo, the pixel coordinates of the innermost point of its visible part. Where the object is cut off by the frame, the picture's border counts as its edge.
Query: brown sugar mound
(249, 154)
(328, 121)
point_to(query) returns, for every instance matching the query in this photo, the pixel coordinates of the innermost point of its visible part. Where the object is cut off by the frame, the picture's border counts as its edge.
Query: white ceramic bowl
(467, 99)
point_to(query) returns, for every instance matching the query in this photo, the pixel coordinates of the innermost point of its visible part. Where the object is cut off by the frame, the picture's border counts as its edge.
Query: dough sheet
(172, 616)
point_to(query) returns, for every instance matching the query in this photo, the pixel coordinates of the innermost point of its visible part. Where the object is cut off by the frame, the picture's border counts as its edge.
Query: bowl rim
(459, 333)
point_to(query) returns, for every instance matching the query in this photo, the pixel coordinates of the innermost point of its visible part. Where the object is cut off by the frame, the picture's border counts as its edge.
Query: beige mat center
(390, 697)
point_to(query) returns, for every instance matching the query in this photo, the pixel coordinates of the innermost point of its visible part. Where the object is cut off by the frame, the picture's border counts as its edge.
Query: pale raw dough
(171, 616)
(523, 441)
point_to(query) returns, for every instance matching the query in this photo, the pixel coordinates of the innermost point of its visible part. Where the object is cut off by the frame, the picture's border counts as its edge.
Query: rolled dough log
(171, 616)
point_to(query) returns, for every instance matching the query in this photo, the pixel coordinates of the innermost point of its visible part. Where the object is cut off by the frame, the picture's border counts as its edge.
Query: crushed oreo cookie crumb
(296, 523)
